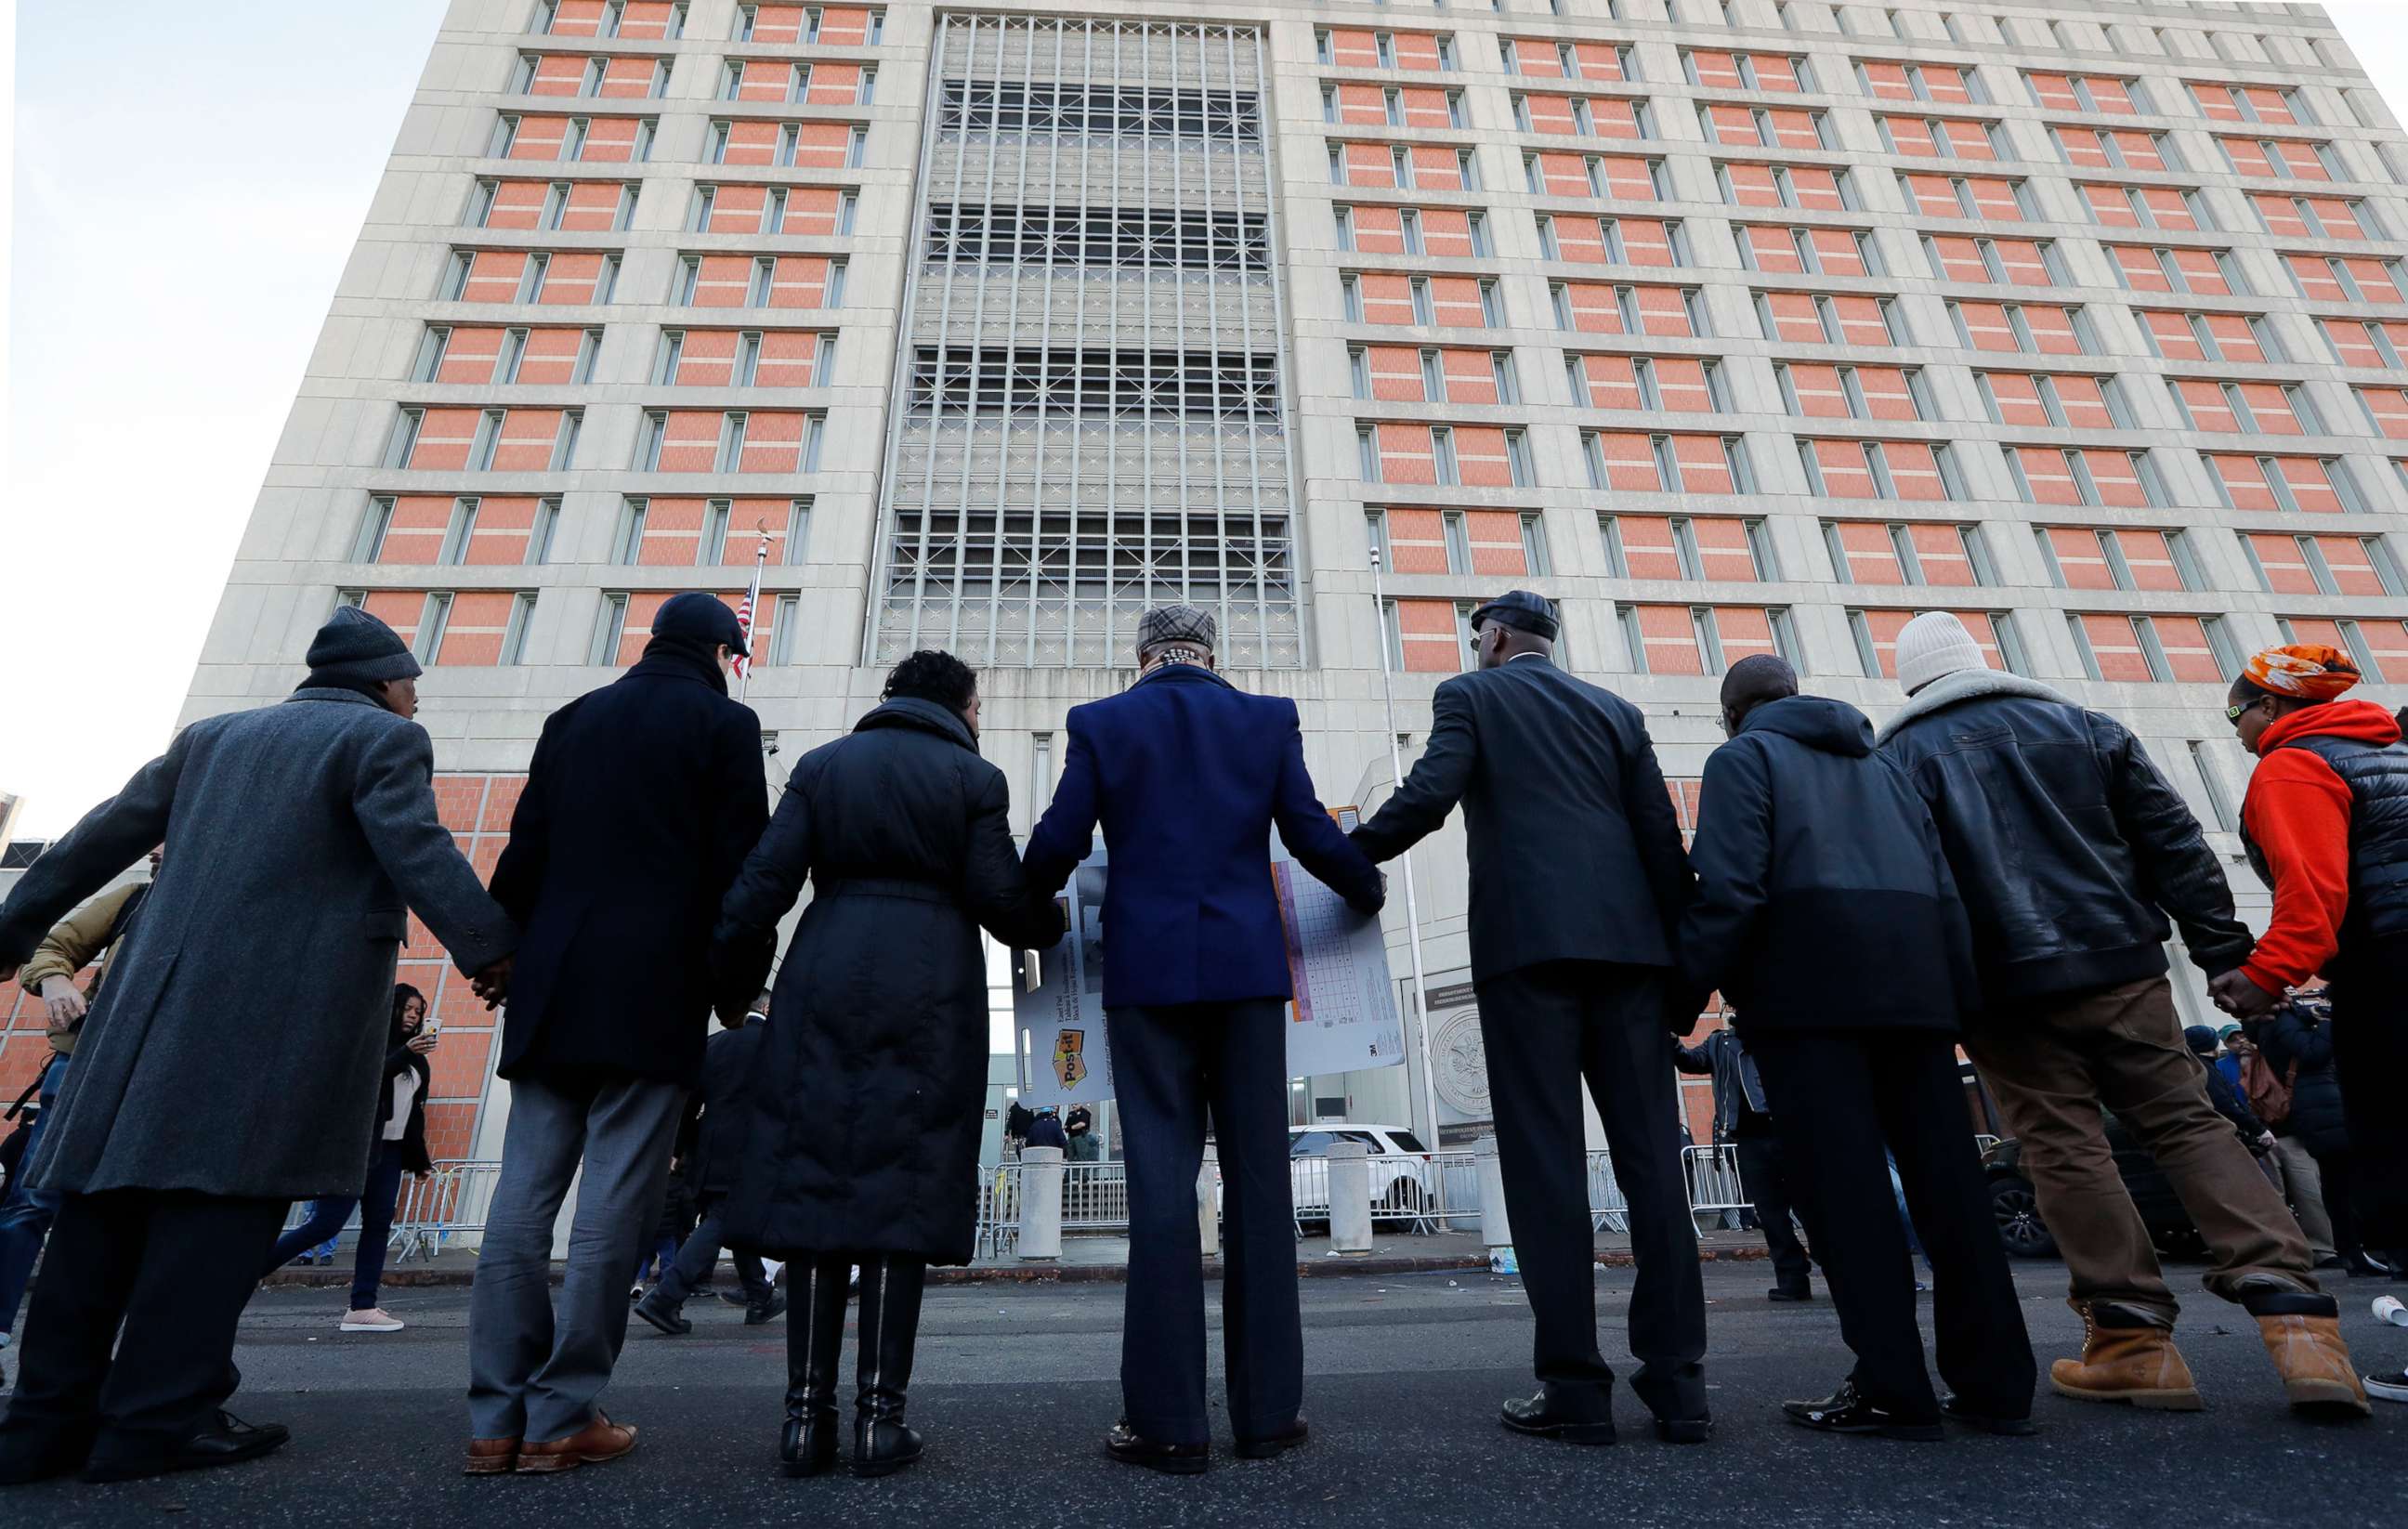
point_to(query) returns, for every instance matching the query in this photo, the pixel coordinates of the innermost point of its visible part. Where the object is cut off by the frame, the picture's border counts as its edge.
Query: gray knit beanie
(355, 647)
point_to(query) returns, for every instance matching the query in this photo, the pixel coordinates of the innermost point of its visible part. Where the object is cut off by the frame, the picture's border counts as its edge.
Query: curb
(1045, 1273)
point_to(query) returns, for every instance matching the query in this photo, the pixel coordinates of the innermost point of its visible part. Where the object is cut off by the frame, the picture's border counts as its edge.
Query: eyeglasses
(2234, 714)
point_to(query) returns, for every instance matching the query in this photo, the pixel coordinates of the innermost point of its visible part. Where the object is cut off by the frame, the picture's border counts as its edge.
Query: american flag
(742, 664)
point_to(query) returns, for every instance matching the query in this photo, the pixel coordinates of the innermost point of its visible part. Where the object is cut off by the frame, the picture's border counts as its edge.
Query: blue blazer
(1186, 773)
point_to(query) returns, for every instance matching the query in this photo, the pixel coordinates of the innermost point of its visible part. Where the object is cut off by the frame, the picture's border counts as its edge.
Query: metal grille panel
(1091, 352)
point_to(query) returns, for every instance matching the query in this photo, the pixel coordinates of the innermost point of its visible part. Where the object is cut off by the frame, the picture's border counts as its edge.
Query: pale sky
(187, 182)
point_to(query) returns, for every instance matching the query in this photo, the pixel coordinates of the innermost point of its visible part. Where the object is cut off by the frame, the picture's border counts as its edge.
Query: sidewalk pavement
(1095, 1259)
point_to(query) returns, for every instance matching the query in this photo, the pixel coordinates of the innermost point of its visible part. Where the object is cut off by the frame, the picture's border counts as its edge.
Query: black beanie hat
(700, 618)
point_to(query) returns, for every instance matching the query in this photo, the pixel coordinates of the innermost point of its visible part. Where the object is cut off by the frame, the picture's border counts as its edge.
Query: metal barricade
(1608, 1212)
(998, 1211)
(1714, 1178)
(1417, 1194)
(1435, 1191)
(1711, 1175)
(1094, 1197)
(448, 1204)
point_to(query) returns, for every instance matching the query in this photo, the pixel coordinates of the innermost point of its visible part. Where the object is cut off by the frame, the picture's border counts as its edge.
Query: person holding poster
(1578, 884)
(1186, 775)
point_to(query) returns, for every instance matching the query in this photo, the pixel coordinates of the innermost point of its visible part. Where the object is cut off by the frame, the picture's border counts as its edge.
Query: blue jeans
(374, 1205)
(25, 1219)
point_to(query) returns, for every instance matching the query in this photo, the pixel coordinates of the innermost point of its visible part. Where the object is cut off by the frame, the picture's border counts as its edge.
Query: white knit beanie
(1932, 645)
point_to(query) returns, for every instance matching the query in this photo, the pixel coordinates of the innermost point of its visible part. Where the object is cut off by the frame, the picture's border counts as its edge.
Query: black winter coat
(399, 1060)
(1575, 850)
(866, 1104)
(2293, 1034)
(1823, 902)
(2069, 848)
(641, 803)
(723, 1135)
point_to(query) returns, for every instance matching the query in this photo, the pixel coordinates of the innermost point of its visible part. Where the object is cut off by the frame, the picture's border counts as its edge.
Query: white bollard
(1041, 1203)
(1207, 1203)
(1350, 1198)
(1496, 1229)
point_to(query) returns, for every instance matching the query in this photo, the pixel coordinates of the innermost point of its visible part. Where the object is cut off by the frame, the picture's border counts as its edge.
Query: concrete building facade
(1740, 325)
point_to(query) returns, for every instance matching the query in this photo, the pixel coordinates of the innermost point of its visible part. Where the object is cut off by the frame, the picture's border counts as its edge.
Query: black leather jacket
(2069, 850)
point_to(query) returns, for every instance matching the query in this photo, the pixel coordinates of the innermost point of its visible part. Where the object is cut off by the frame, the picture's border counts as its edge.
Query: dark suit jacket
(1187, 774)
(642, 801)
(730, 1059)
(1575, 850)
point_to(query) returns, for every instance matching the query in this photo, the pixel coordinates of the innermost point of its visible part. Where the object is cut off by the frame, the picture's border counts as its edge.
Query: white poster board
(1343, 1016)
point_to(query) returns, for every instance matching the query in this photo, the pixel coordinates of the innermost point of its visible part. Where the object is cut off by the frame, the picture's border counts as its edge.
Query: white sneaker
(373, 1320)
(2391, 1386)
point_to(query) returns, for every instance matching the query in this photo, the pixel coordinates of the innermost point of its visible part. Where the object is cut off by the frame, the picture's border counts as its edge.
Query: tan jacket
(73, 944)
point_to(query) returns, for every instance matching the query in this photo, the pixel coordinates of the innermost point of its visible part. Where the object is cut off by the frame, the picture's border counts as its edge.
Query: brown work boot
(2302, 1334)
(491, 1456)
(2127, 1355)
(598, 1441)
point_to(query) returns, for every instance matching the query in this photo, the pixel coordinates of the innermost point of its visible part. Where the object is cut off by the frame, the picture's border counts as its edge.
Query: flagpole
(1412, 909)
(751, 615)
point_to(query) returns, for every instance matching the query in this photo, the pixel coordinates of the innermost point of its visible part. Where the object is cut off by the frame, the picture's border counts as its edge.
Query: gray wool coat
(239, 1046)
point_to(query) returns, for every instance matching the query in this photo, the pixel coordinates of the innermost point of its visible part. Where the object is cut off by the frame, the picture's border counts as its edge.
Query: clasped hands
(493, 984)
(2241, 998)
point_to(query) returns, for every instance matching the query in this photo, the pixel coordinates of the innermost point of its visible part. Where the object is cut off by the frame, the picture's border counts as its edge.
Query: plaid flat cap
(1175, 623)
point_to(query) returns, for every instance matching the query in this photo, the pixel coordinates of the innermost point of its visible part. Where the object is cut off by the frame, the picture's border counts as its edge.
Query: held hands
(63, 1000)
(2240, 997)
(422, 1042)
(493, 984)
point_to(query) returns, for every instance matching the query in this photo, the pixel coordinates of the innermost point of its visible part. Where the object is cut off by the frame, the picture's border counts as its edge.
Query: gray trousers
(535, 1373)
(2303, 1183)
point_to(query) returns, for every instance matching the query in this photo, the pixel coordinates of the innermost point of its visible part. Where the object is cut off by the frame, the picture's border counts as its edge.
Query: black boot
(813, 1344)
(889, 1324)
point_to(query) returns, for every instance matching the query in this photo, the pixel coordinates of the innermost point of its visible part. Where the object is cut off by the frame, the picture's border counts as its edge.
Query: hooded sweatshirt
(2296, 814)
(1824, 901)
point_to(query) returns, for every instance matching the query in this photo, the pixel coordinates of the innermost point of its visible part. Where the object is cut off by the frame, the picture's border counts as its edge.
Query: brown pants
(2052, 1066)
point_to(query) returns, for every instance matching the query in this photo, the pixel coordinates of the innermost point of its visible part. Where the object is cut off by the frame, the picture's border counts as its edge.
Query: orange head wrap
(2308, 670)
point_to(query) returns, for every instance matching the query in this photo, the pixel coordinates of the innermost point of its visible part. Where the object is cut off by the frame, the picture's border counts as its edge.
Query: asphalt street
(1016, 1384)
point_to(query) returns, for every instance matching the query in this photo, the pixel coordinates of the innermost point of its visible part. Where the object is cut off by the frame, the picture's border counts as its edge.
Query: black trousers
(1839, 1098)
(1545, 1028)
(172, 1267)
(2370, 1035)
(698, 1255)
(1169, 1065)
(1767, 1182)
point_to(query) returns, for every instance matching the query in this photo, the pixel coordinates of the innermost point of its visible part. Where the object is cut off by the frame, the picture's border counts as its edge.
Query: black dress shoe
(663, 1314)
(1685, 1430)
(1847, 1411)
(26, 1461)
(228, 1441)
(1131, 1448)
(1280, 1443)
(759, 1312)
(1785, 1292)
(1547, 1417)
(1989, 1423)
